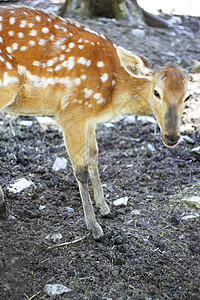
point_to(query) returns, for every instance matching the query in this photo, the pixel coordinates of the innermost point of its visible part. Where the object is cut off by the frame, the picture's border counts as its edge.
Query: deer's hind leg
(74, 134)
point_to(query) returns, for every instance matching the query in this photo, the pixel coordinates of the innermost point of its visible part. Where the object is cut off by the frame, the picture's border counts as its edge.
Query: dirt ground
(152, 245)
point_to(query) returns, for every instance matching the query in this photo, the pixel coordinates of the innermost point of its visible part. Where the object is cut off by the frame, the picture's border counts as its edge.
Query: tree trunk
(117, 9)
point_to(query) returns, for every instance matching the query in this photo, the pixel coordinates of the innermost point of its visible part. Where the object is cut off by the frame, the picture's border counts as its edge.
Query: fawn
(53, 66)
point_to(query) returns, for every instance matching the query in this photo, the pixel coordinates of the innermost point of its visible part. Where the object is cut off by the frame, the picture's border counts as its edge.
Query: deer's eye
(187, 98)
(156, 94)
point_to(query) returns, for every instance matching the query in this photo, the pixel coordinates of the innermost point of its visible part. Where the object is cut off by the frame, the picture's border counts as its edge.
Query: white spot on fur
(104, 77)
(36, 63)
(15, 46)
(9, 49)
(80, 40)
(41, 42)
(100, 64)
(83, 76)
(38, 18)
(80, 46)
(97, 96)
(58, 67)
(30, 25)
(8, 79)
(82, 60)
(23, 48)
(12, 20)
(101, 100)
(62, 57)
(33, 32)
(77, 81)
(88, 63)
(69, 63)
(22, 23)
(11, 33)
(0, 26)
(2, 59)
(50, 62)
(20, 34)
(45, 30)
(71, 45)
(1, 40)
(87, 92)
(32, 43)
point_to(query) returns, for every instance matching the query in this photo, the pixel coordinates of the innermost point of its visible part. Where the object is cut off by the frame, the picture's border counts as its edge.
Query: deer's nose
(171, 140)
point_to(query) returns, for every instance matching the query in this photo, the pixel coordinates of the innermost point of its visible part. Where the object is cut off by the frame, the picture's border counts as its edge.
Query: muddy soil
(152, 245)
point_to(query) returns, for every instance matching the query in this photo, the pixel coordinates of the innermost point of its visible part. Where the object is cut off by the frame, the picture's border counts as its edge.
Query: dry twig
(69, 243)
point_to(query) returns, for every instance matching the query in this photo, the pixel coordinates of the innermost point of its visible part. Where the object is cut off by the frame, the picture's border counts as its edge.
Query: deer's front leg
(92, 152)
(74, 135)
(81, 174)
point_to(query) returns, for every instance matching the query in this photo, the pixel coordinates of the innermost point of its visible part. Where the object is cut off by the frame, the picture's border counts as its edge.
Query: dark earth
(151, 248)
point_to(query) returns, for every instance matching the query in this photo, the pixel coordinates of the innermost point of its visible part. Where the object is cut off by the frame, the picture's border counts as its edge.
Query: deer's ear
(135, 64)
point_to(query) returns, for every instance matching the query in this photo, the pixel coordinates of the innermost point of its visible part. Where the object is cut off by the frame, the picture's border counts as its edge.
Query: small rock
(151, 147)
(169, 53)
(189, 217)
(60, 163)
(56, 289)
(135, 212)
(138, 33)
(130, 119)
(185, 138)
(26, 123)
(196, 150)
(147, 119)
(20, 185)
(193, 201)
(109, 125)
(47, 121)
(121, 201)
(69, 209)
(42, 207)
(54, 237)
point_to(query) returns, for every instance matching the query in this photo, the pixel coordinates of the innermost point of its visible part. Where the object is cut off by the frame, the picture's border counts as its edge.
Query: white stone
(138, 33)
(196, 150)
(130, 119)
(109, 125)
(69, 209)
(121, 201)
(186, 138)
(194, 200)
(44, 121)
(26, 123)
(56, 289)
(147, 119)
(151, 147)
(189, 217)
(60, 163)
(55, 237)
(136, 212)
(42, 207)
(20, 185)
